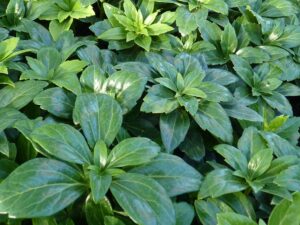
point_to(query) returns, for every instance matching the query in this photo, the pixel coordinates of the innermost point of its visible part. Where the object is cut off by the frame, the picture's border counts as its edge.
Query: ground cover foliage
(150, 112)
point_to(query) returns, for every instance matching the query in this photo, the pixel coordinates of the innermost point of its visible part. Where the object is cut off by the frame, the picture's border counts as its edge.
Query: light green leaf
(286, 212)
(143, 41)
(116, 33)
(7, 47)
(216, 5)
(234, 219)
(158, 29)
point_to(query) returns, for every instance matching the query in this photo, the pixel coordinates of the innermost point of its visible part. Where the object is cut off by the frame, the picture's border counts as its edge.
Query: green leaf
(234, 219)
(96, 213)
(20, 95)
(143, 199)
(182, 178)
(40, 187)
(279, 102)
(44, 221)
(193, 145)
(208, 210)
(212, 117)
(220, 182)
(241, 112)
(289, 89)
(158, 29)
(7, 47)
(163, 67)
(116, 33)
(286, 212)
(143, 41)
(218, 6)
(89, 111)
(253, 55)
(173, 128)
(251, 142)
(185, 20)
(260, 163)
(210, 32)
(233, 156)
(240, 203)
(159, 100)
(69, 144)
(290, 37)
(8, 117)
(56, 28)
(215, 92)
(111, 220)
(127, 87)
(100, 184)
(243, 69)
(277, 8)
(57, 101)
(92, 79)
(132, 152)
(184, 213)
(279, 145)
(289, 178)
(220, 76)
(4, 144)
(229, 40)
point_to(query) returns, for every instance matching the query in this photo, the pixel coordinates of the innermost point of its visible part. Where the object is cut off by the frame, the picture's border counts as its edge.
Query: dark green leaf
(132, 152)
(176, 176)
(90, 111)
(21, 94)
(220, 182)
(57, 101)
(41, 187)
(145, 201)
(212, 117)
(63, 142)
(173, 128)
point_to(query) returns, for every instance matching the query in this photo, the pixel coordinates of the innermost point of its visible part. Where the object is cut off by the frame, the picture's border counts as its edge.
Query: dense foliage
(150, 112)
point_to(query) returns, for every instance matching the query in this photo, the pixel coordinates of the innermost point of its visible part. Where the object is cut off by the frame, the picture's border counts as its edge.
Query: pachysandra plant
(125, 170)
(264, 83)
(149, 112)
(124, 29)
